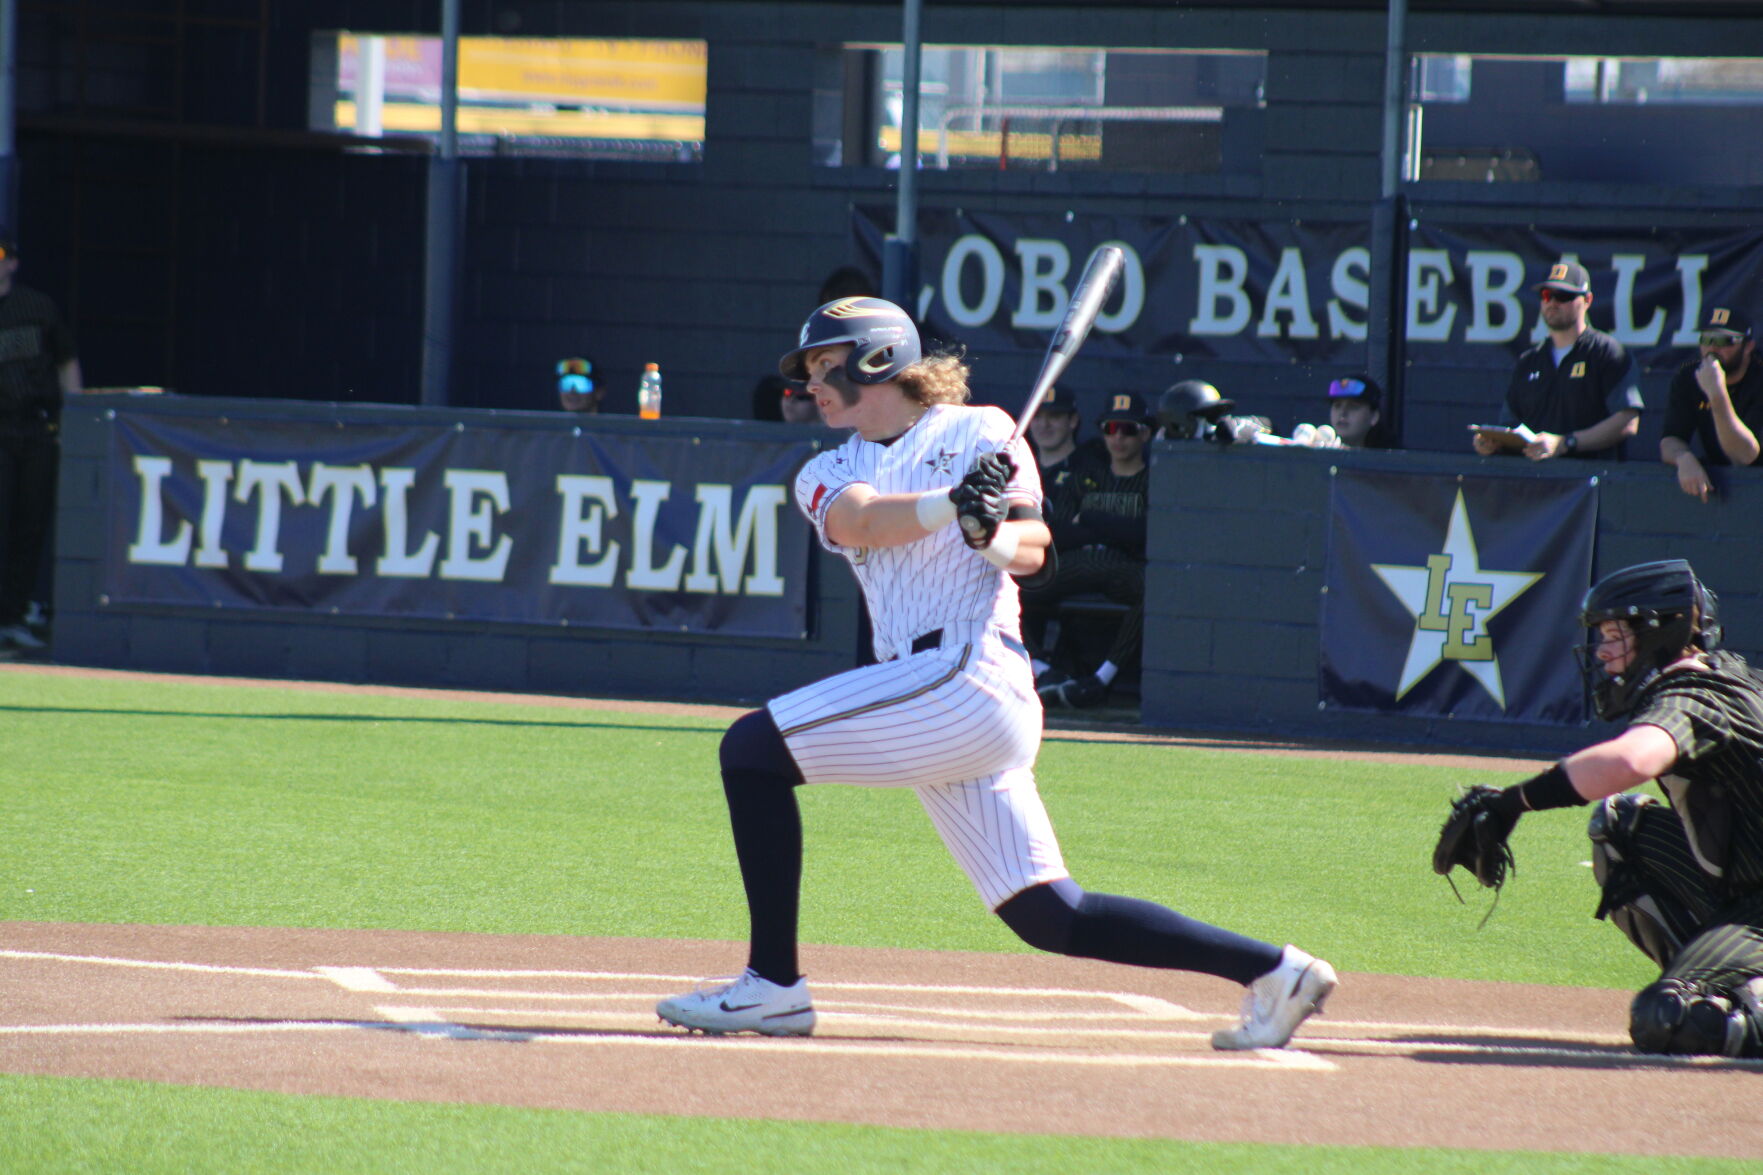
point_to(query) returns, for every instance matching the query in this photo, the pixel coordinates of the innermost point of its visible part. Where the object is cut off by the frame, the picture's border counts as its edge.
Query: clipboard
(1509, 440)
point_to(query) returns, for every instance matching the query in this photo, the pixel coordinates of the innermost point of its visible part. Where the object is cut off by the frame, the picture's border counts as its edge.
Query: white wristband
(1002, 552)
(935, 510)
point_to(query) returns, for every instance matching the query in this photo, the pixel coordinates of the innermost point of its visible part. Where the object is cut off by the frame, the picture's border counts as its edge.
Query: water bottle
(649, 392)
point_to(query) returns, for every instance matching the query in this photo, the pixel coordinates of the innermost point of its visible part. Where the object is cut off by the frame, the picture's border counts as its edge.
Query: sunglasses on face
(1122, 428)
(1560, 296)
(1346, 387)
(1720, 340)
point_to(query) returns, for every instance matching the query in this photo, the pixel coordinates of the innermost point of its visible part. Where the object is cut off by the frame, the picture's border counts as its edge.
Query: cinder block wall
(1238, 550)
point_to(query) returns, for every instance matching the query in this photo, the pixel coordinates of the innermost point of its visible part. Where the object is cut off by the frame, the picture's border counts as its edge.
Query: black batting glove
(979, 499)
(980, 512)
(992, 472)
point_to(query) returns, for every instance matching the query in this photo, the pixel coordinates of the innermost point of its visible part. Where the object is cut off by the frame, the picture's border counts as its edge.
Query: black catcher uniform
(1686, 880)
(1683, 879)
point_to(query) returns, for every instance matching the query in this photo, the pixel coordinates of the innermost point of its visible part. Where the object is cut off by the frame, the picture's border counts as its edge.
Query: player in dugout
(937, 519)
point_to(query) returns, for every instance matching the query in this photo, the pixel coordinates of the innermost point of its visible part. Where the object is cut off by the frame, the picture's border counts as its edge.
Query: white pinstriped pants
(961, 726)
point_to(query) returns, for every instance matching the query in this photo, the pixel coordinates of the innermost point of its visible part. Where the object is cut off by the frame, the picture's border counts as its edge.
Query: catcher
(1683, 880)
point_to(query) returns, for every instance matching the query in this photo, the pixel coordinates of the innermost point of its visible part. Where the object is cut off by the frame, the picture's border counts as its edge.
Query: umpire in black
(1684, 879)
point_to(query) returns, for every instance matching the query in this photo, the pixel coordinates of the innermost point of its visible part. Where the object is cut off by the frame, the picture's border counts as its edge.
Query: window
(1724, 81)
(632, 99)
(1658, 120)
(1045, 109)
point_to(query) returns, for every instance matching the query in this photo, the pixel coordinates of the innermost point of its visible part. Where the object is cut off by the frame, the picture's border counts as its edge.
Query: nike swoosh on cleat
(738, 1007)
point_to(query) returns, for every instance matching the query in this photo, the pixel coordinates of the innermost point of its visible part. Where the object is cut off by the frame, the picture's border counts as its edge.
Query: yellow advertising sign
(649, 75)
(666, 76)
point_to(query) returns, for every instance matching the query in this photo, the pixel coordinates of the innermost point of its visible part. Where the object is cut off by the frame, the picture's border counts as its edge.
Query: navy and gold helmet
(884, 342)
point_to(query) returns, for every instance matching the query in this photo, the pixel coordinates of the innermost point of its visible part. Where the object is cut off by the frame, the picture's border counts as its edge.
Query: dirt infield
(1013, 1043)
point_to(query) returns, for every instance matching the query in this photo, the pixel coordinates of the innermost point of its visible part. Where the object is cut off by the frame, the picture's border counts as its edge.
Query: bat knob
(972, 525)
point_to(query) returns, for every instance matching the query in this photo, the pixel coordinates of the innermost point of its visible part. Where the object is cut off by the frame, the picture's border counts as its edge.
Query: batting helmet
(884, 342)
(1184, 401)
(1667, 610)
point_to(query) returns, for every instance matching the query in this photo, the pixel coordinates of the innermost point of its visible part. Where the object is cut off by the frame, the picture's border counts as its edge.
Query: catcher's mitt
(1474, 836)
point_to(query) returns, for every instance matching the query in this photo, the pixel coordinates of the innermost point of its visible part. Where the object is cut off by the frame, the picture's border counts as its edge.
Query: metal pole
(1386, 342)
(1395, 94)
(446, 203)
(8, 105)
(900, 249)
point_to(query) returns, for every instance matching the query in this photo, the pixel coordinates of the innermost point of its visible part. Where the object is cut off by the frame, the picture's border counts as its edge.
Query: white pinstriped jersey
(939, 581)
(957, 722)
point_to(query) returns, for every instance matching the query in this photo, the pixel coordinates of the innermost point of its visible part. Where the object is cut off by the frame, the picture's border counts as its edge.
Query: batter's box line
(833, 1015)
(375, 980)
(1295, 1060)
(1151, 1006)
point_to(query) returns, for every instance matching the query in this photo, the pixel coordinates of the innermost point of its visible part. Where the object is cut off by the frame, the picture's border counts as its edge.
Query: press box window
(1048, 109)
(1505, 118)
(600, 99)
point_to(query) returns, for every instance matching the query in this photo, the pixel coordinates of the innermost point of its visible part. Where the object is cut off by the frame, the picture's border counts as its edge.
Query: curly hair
(940, 378)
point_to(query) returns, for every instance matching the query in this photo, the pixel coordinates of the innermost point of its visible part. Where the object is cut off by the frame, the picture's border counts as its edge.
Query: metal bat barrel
(1099, 278)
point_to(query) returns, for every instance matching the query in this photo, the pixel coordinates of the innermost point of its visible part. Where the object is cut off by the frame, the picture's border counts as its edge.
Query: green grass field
(217, 805)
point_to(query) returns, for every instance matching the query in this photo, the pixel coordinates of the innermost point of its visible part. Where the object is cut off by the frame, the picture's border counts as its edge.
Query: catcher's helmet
(1183, 402)
(1667, 610)
(883, 340)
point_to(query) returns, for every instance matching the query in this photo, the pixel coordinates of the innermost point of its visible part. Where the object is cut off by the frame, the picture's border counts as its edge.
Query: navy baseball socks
(1284, 987)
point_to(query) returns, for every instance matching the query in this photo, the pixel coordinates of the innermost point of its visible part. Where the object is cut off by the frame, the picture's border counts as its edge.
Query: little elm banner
(1456, 597)
(521, 526)
(1282, 291)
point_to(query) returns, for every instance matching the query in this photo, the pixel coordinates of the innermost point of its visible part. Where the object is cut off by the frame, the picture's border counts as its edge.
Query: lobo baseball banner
(521, 526)
(1232, 289)
(1456, 597)
(1471, 302)
(1284, 291)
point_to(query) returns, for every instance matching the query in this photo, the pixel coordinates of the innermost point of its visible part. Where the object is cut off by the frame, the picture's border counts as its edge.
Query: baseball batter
(935, 519)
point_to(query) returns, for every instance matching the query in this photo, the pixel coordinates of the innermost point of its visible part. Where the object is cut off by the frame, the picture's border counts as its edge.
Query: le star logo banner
(1458, 598)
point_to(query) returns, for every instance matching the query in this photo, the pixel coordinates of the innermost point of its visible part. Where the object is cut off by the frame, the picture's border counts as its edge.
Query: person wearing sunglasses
(1579, 389)
(1098, 523)
(1716, 398)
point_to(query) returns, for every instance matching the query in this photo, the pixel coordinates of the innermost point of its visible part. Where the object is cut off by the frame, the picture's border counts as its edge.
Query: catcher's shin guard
(1625, 900)
(1671, 1016)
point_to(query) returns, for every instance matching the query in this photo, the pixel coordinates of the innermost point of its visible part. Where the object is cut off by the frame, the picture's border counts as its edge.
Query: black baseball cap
(1726, 320)
(1059, 400)
(1568, 278)
(1126, 406)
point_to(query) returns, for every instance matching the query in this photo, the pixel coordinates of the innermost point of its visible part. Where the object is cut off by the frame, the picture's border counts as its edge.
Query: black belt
(933, 639)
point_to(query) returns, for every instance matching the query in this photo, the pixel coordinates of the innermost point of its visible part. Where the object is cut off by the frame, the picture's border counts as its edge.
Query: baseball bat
(1098, 280)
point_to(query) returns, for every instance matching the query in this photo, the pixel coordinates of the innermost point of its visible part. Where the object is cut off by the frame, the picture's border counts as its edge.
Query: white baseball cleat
(1278, 1002)
(749, 1004)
